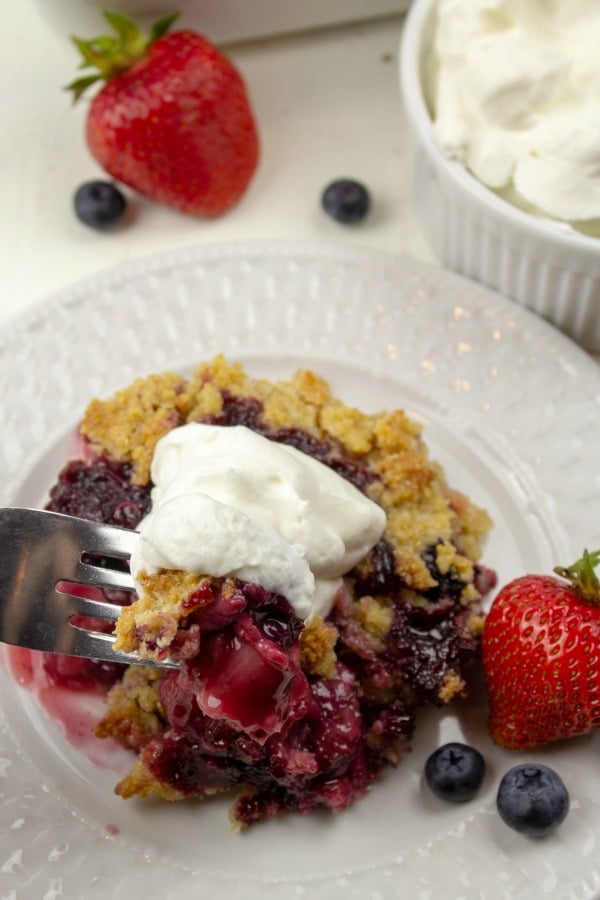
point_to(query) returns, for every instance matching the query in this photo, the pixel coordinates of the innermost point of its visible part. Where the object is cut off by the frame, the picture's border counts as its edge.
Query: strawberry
(173, 120)
(541, 656)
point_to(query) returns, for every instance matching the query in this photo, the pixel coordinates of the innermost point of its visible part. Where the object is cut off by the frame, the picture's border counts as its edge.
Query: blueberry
(532, 799)
(455, 772)
(346, 201)
(99, 204)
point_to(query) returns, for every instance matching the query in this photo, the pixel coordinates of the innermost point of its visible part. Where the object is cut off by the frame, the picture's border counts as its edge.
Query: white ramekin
(471, 230)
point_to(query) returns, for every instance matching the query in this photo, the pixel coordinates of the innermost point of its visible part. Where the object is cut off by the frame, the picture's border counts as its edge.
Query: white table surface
(327, 104)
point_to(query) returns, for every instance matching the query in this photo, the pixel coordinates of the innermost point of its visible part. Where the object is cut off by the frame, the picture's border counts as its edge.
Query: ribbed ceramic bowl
(552, 271)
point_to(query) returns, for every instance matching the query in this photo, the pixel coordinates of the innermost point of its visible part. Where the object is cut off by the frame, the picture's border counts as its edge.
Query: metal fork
(42, 555)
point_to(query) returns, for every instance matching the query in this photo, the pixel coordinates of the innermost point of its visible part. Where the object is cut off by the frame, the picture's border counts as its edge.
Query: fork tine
(68, 539)
(99, 576)
(101, 539)
(40, 556)
(39, 551)
(97, 645)
(76, 536)
(74, 605)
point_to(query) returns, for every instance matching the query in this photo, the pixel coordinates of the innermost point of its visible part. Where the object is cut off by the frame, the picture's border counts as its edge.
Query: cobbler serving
(304, 564)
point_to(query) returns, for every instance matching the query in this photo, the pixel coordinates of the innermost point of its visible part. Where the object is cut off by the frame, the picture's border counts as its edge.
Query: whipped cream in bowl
(514, 87)
(503, 151)
(227, 501)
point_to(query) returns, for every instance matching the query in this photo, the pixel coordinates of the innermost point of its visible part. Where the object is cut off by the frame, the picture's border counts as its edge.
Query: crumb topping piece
(165, 598)
(139, 782)
(134, 714)
(128, 426)
(317, 647)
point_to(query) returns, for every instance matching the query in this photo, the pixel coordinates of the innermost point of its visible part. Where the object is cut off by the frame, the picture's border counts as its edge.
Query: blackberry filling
(100, 490)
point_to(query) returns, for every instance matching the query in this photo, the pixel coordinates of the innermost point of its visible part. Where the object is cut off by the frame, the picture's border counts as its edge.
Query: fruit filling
(289, 703)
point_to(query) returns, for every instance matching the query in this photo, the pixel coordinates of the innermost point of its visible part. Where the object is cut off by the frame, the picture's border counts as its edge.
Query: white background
(326, 100)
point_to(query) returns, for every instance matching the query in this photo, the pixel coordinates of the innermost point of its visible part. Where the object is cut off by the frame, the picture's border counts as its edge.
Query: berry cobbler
(303, 566)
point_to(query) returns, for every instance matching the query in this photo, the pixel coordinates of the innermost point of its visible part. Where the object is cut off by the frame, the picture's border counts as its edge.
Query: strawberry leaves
(112, 54)
(162, 26)
(582, 575)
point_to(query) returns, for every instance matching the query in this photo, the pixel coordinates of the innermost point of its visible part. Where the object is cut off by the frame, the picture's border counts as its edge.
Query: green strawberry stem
(582, 575)
(114, 53)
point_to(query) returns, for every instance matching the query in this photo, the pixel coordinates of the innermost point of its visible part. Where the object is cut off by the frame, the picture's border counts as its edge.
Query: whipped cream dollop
(227, 501)
(515, 91)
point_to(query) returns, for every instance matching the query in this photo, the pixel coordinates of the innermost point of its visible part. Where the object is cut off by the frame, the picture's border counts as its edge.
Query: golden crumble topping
(374, 615)
(317, 647)
(139, 782)
(134, 712)
(129, 425)
(452, 686)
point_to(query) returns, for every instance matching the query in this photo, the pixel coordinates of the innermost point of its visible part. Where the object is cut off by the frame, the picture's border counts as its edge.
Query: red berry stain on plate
(76, 712)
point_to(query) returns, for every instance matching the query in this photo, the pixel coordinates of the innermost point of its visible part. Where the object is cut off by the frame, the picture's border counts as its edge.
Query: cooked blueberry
(532, 799)
(346, 201)
(449, 585)
(455, 772)
(99, 204)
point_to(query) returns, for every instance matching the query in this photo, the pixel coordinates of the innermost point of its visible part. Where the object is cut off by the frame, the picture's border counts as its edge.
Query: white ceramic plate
(511, 408)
